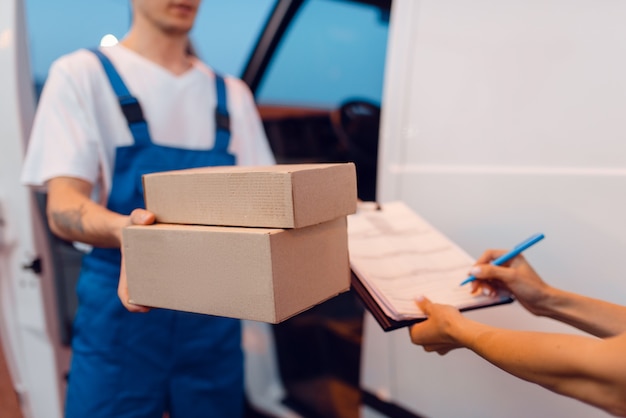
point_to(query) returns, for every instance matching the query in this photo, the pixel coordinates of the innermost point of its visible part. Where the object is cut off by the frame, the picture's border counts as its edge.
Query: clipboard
(390, 324)
(385, 322)
(397, 210)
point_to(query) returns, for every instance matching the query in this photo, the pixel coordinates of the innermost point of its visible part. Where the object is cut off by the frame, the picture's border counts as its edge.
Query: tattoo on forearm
(70, 221)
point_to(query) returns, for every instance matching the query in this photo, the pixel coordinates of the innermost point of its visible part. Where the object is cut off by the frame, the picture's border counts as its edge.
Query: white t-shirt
(79, 122)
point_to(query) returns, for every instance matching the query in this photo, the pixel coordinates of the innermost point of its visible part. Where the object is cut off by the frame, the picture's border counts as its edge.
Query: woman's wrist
(466, 332)
(549, 302)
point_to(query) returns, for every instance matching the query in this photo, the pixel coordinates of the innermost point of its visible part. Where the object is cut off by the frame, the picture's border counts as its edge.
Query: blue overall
(140, 364)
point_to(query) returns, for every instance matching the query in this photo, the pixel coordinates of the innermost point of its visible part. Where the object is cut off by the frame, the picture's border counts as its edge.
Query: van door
(27, 321)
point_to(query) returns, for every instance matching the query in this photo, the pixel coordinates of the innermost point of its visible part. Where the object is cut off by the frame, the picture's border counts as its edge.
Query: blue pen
(513, 253)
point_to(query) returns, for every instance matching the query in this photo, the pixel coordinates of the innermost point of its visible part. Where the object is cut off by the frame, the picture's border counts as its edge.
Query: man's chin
(178, 30)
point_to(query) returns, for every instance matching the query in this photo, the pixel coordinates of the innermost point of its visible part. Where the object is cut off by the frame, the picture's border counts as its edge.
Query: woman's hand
(437, 332)
(517, 276)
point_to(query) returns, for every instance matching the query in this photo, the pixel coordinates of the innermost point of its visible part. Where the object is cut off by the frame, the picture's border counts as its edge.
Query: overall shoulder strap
(129, 104)
(222, 118)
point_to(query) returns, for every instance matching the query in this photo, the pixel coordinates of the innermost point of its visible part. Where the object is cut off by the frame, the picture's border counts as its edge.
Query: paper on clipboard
(398, 256)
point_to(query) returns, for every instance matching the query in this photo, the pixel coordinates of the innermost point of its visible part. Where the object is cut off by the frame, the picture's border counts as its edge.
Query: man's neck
(166, 50)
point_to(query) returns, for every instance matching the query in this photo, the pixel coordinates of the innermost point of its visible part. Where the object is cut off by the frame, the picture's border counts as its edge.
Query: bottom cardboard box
(259, 274)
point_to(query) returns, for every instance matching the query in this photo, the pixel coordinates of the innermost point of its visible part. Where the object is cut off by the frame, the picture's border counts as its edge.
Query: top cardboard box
(278, 196)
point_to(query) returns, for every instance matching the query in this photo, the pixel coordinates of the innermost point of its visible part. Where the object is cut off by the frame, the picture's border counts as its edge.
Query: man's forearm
(74, 217)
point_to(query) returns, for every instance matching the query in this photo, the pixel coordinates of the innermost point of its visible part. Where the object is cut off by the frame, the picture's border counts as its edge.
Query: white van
(492, 119)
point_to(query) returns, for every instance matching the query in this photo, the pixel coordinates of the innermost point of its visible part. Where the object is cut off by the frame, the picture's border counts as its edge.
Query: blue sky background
(224, 32)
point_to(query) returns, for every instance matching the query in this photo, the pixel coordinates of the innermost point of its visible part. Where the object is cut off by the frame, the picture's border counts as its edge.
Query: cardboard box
(260, 274)
(279, 196)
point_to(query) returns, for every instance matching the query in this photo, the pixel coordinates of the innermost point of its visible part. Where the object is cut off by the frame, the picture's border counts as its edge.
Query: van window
(333, 51)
